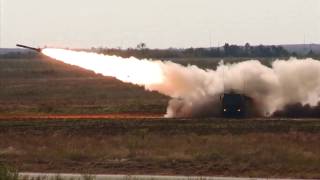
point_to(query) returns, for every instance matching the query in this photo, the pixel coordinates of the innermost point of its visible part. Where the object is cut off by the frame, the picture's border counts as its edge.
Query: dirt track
(128, 116)
(82, 116)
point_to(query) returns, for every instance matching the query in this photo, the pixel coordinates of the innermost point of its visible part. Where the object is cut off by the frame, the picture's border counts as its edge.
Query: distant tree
(226, 49)
(141, 46)
(247, 50)
(235, 51)
(232, 50)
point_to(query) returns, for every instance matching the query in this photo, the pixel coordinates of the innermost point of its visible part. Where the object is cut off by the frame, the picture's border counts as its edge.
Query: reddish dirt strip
(82, 116)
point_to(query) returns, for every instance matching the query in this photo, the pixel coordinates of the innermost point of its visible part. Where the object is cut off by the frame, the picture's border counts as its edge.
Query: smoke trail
(196, 92)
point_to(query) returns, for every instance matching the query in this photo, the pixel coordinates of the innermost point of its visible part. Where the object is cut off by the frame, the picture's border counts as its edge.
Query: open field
(44, 86)
(257, 148)
(60, 118)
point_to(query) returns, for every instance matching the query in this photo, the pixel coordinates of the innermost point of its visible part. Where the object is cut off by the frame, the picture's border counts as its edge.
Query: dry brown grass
(288, 154)
(41, 85)
(197, 147)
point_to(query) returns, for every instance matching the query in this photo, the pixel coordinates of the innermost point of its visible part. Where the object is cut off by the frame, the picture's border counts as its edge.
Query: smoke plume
(196, 92)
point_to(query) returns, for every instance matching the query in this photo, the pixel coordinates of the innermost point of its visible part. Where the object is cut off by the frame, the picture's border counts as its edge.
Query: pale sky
(158, 23)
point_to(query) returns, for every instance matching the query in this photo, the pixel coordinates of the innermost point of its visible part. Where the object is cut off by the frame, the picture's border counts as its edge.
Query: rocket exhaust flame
(196, 92)
(140, 72)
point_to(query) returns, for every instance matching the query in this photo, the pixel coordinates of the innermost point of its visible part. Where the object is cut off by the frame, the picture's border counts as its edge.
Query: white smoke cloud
(286, 82)
(196, 92)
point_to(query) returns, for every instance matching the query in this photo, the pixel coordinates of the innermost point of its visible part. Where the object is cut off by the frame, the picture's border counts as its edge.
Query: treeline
(228, 50)
(225, 51)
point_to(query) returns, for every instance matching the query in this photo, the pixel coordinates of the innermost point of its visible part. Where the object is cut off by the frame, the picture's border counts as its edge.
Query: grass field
(44, 86)
(251, 147)
(264, 148)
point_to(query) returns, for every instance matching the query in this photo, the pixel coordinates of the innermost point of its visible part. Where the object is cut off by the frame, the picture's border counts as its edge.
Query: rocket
(28, 47)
